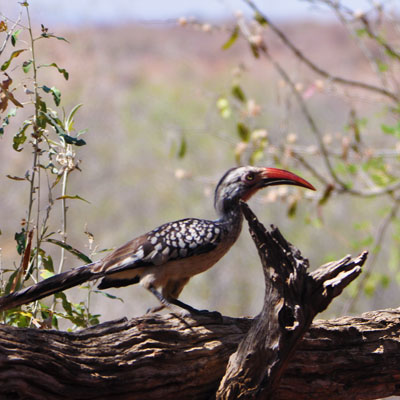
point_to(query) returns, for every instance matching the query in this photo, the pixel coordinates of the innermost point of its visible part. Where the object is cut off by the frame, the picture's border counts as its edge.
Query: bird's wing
(171, 241)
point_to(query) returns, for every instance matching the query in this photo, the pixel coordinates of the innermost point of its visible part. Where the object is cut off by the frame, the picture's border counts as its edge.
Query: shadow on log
(176, 357)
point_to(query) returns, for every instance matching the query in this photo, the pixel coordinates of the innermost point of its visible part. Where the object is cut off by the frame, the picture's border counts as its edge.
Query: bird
(164, 259)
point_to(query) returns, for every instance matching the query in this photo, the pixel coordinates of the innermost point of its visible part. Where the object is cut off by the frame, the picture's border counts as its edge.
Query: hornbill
(168, 256)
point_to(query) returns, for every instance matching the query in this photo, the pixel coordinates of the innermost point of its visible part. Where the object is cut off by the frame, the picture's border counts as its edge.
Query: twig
(338, 10)
(311, 122)
(64, 217)
(309, 167)
(10, 32)
(380, 234)
(315, 67)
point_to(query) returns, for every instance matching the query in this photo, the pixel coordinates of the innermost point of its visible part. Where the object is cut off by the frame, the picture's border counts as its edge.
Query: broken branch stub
(292, 299)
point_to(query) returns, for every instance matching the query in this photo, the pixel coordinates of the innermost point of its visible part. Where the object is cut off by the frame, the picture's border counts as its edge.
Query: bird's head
(242, 182)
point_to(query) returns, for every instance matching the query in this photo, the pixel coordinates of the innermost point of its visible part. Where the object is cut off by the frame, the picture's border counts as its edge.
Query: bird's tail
(54, 284)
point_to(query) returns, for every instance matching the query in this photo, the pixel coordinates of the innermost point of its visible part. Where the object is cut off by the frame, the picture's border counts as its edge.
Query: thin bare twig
(380, 234)
(10, 32)
(309, 167)
(311, 122)
(338, 10)
(316, 68)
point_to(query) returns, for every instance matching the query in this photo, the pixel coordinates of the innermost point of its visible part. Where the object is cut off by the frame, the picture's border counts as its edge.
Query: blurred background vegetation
(170, 105)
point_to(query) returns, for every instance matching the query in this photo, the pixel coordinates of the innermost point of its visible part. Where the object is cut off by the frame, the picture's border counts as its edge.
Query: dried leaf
(76, 197)
(15, 178)
(3, 26)
(6, 95)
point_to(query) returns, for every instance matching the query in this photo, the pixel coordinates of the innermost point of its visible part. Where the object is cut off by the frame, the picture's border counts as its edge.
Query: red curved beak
(275, 176)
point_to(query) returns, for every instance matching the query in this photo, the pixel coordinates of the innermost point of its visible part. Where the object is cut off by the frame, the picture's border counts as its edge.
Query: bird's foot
(154, 310)
(207, 313)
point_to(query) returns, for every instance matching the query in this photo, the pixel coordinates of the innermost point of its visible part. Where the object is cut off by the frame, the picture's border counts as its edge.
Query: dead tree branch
(175, 357)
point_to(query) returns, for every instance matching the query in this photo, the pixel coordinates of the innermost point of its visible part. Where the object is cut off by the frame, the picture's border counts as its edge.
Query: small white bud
(206, 27)
(291, 138)
(182, 21)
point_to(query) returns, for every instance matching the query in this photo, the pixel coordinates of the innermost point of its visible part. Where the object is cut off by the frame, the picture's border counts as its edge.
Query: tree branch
(314, 67)
(176, 357)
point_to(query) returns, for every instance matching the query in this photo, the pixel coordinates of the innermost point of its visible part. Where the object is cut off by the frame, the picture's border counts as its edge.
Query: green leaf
(238, 93)
(20, 239)
(243, 131)
(50, 35)
(361, 32)
(62, 71)
(56, 95)
(45, 274)
(254, 50)
(14, 37)
(232, 39)
(20, 137)
(110, 296)
(256, 156)
(292, 209)
(69, 122)
(260, 19)
(55, 122)
(81, 132)
(326, 195)
(6, 120)
(76, 197)
(385, 280)
(47, 262)
(369, 288)
(391, 130)
(182, 148)
(67, 306)
(71, 249)
(42, 120)
(72, 140)
(383, 67)
(55, 92)
(14, 54)
(26, 66)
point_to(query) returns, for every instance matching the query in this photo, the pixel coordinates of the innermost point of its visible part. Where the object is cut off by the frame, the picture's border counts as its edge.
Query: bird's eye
(249, 177)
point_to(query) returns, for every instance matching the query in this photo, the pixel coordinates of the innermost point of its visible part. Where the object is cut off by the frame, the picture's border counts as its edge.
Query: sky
(79, 12)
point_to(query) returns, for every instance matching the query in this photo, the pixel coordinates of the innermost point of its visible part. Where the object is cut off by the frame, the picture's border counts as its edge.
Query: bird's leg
(164, 302)
(185, 306)
(195, 311)
(167, 303)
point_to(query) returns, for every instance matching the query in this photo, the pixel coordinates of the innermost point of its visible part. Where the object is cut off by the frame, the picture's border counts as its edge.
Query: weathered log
(179, 357)
(168, 357)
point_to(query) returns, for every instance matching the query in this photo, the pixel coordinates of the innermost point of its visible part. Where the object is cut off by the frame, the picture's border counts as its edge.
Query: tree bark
(179, 357)
(169, 357)
(292, 298)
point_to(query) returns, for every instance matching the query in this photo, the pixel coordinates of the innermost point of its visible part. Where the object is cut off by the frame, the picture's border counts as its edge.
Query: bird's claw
(153, 310)
(211, 314)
